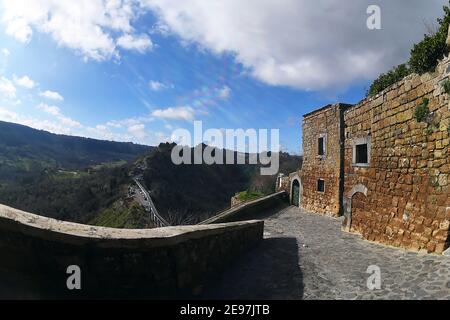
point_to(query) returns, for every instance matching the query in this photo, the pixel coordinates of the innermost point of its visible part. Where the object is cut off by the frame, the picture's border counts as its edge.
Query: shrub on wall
(387, 79)
(422, 111)
(425, 56)
(446, 86)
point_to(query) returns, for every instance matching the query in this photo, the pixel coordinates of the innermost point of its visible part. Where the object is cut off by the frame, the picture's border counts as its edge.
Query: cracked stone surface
(307, 256)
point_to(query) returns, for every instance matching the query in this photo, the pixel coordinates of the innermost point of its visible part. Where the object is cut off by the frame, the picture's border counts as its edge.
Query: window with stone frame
(321, 145)
(361, 151)
(321, 185)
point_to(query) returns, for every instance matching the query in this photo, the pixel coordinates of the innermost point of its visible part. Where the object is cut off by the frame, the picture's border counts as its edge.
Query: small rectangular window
(321, 146)
(361, 154)
(321, 185)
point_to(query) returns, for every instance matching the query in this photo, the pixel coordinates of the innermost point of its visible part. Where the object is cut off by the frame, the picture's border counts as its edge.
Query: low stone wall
(164, 263)
(249, 210)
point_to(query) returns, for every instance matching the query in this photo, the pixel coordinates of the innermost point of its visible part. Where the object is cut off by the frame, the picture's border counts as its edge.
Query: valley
(88, 181)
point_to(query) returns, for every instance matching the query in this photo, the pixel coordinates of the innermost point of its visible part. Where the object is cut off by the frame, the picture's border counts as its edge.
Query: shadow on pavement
(270, 271)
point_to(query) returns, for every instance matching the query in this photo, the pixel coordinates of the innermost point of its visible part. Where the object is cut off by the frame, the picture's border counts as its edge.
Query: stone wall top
(236, 213)
(73, 233)
(323, 109)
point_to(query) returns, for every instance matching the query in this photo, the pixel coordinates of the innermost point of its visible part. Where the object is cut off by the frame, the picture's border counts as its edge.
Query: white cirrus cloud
(90, 27)
(52, 95)
(158, 86)
(224, 92)
(175, 113)
(5, 52)
(24, 82)
(7, 88)
(309, 45)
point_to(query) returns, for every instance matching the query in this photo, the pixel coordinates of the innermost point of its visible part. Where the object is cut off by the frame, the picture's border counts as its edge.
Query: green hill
(24, 150)
(191, 193)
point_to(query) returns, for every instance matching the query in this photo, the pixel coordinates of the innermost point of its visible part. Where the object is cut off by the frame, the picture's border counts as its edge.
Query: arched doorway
(295, 191)
(354, 206)
(358, 204)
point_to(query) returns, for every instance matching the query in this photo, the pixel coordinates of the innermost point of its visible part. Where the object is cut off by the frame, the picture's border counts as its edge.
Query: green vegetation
(429, 130)
(110, 165)
(425, 54)
(250, 195)
(63, 175)
(422, 111)
(385, 80)
(65, 197)
(424, 57)
(446, 86)
(47, 174)
(123, 215)
(23, 149)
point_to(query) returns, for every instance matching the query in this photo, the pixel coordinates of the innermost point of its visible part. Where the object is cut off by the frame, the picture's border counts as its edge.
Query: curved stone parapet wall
(172, 262)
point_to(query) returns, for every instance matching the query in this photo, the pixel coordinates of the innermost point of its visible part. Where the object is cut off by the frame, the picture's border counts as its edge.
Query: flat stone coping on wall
(234, 211)
(79, 234)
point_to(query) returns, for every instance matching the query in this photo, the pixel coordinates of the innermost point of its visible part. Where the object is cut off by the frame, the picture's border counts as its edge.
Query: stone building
(380, 166)
(322, 169)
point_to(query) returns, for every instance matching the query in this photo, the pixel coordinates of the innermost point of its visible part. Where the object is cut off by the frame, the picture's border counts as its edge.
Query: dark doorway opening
(296, 193)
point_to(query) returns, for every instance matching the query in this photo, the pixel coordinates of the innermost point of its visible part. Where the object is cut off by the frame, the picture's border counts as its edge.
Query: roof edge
(342, 106)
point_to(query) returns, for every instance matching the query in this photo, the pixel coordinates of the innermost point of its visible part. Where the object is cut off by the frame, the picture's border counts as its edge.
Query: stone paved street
(306, 256)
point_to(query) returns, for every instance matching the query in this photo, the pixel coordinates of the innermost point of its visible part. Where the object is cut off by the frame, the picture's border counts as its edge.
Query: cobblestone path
(307, 256)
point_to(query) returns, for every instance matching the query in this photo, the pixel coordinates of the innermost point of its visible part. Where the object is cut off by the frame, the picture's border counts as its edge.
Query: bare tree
(181, 217)
(431, 28)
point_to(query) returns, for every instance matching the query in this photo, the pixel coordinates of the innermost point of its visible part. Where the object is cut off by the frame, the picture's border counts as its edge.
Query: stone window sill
(361, 165)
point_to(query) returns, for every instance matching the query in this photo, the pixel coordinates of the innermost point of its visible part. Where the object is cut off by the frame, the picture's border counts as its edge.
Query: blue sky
(140, 75)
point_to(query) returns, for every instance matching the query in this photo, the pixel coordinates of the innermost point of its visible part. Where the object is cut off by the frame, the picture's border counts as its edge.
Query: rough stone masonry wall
(254, 209)
(327, 122)
(407, 181)
(162, 263)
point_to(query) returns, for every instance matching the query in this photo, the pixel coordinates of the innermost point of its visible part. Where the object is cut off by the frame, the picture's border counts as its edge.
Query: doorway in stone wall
(358, 209)
(296, 193)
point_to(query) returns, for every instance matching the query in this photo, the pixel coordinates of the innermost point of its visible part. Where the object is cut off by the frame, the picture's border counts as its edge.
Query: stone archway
(296, 190)
(348, 204)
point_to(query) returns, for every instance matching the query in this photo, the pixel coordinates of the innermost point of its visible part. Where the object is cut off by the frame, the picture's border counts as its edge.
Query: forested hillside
(23, 149)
